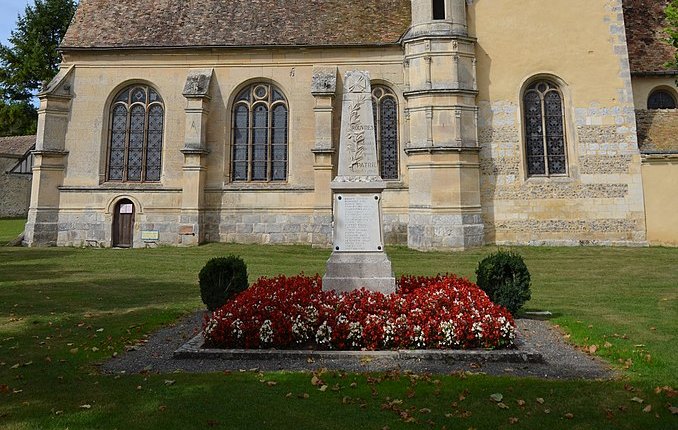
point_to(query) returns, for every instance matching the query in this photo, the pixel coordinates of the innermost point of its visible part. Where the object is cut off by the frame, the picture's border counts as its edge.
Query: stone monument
(358, 259)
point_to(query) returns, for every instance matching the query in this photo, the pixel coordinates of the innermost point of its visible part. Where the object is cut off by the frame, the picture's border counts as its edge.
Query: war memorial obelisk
(358, 259)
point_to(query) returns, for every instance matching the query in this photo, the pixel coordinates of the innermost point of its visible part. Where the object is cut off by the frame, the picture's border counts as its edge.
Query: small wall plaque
(150, 235)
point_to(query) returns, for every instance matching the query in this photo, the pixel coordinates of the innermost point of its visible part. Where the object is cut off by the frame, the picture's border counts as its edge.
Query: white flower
(324, 334)
(266, 332)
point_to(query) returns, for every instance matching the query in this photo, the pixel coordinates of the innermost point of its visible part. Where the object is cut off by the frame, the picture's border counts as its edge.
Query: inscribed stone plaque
(357, 226)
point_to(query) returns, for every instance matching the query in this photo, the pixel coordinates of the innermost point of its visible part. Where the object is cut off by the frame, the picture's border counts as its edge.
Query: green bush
(221, 279)
(505, 278)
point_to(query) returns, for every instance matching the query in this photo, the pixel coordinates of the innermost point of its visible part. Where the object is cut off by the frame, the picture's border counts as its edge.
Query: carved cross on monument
(358, 259)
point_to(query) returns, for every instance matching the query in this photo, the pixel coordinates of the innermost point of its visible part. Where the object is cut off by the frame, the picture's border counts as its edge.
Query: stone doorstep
(193, 350)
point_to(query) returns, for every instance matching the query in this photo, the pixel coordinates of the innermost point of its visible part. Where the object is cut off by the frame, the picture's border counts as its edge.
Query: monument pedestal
(358, 259)
(347, 271)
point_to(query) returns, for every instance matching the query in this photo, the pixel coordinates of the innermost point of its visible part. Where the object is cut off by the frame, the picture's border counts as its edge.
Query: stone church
(496, 122)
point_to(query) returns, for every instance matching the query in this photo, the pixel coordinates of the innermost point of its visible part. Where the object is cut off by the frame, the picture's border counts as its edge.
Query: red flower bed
(424, 313)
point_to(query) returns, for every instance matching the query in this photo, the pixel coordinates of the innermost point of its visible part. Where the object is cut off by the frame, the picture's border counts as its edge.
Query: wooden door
(123, 224)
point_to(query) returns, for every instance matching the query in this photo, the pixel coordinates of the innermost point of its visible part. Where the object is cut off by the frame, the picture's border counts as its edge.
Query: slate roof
(110, 24)
(645, 24)
(16, 146)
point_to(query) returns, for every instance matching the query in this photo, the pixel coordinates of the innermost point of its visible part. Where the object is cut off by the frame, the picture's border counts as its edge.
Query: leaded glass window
(544, 130)
(260, 134)
(385, 110)
(136, 135)
(661, 99)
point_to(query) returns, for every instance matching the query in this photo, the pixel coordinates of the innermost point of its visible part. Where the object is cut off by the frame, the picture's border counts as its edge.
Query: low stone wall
(15, 191)
(657, 129)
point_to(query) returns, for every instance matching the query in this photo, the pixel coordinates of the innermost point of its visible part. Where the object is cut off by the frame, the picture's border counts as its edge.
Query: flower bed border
(193, 349)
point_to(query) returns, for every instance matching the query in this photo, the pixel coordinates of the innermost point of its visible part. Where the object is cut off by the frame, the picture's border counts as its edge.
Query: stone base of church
(428, 231)
(41, 228)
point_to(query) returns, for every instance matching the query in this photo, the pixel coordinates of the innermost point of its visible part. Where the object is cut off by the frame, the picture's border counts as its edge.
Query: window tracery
(260, 134)
(661, 99)
(136, 135)
(544, 130)
(385, 110)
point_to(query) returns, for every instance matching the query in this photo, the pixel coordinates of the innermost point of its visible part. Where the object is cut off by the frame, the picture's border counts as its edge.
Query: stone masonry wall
(15, 191)
(657, 130)
(600, 200)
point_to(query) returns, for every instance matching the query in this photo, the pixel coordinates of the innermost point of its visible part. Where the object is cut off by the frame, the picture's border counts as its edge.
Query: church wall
(15, 190)
(286, 212)
(657, 128)
(580, 46)
(660, 182)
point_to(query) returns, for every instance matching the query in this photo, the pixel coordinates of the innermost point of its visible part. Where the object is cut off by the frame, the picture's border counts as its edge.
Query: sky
(9, 11)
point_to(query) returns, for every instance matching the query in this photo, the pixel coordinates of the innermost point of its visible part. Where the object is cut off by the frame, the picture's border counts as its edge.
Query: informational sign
(150, 235)
(126, 208)
(357, 223)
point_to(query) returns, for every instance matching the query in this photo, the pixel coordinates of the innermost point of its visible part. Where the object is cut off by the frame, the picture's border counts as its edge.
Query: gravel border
(560, 360)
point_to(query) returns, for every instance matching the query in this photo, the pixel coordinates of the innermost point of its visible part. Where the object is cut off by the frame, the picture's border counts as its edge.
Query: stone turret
(443, 153)
(438, 18)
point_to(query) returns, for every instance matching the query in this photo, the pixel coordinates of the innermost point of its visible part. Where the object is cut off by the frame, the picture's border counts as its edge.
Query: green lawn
(63, 310)
(10, 229)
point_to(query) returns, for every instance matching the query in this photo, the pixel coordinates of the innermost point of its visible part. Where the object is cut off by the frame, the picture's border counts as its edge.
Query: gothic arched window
(385, 109)
(544, 130)
(135, 144)
(661, 99)
(260, 134)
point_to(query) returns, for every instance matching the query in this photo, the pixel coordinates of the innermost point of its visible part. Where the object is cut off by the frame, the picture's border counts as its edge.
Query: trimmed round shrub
(221, 279)
(505, 278)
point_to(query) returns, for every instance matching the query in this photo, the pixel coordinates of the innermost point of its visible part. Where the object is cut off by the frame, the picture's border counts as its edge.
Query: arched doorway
(123, 224)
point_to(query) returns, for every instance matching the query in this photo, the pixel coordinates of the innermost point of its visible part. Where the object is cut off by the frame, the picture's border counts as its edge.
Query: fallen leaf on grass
(637, 400)
(569, 416)
(647, 408)
(540, 400)
(673, 410)
(502, 405)
(4, 389)
(424, 411)
(513, 420)
(170, 382)
(497, 397)
(323, 388)
(86, 406)
(162, 408)
(271, 383)
(607, 345)
(593, 349)
(520, 402)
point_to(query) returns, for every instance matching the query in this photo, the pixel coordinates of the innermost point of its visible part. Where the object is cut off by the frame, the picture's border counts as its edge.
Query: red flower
(425, 312)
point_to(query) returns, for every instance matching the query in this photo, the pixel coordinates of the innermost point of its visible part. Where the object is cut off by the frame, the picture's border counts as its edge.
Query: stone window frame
(387, 92)
(251, 103)
(670, 92)
(561, 87)
(114, 101)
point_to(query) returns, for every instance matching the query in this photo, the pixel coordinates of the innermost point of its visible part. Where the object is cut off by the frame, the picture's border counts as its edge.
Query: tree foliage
(17, 118)
(29, 59)
(32, 56)
(672, 29)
